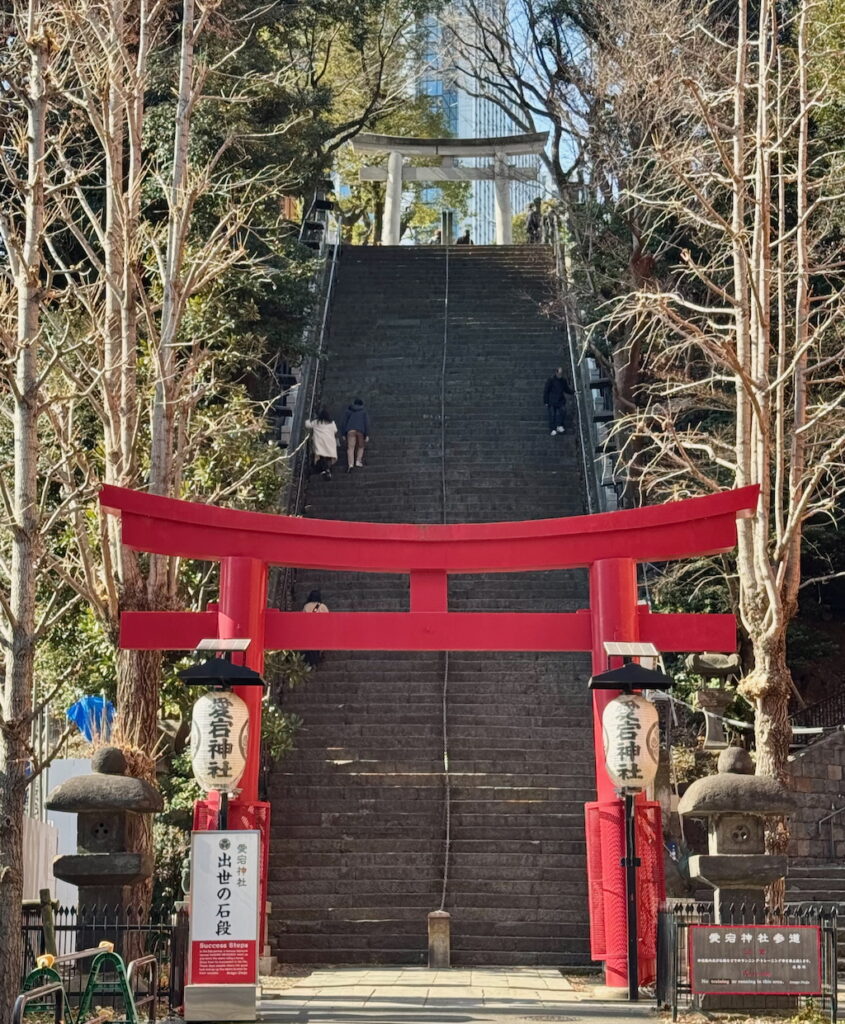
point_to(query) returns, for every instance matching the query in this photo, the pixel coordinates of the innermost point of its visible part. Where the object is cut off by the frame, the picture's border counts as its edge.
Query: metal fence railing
(828, 713)
(308, 390)
(136, 935)
(674, 989)
(593, 394)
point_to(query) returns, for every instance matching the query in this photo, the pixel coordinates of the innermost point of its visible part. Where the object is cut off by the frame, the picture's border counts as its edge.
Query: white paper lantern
(219, 738)
(631, 741)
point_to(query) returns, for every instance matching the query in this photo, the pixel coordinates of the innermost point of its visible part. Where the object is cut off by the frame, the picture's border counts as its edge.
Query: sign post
(755, 960)
(223, 961)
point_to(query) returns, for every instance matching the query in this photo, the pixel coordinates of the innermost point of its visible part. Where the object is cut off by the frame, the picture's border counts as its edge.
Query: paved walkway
(417, 995)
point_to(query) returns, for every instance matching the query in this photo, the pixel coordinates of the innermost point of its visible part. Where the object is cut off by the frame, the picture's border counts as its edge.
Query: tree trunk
(25, 541)
(11, 870)
(769, 687)
(138, 684)
(138, 677)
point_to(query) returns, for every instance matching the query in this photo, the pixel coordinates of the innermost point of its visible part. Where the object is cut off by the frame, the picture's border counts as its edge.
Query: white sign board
(225, 886)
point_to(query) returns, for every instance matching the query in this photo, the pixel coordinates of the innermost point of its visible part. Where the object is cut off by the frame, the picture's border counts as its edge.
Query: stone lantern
(106, 803)
(714, 700)
(734, 803)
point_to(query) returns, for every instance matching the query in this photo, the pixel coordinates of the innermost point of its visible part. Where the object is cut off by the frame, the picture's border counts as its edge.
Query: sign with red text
(755, 959)
(225, 885)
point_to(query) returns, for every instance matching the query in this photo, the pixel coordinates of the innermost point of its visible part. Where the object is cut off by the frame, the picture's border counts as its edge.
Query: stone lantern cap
(736, 790)
(713, 665)
(106, 789)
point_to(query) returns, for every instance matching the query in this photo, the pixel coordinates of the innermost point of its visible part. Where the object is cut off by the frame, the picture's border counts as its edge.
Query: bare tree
(545, 64)
(141, 375)
(29, 65)
(139, 263)
(363, 55)
(744, 355)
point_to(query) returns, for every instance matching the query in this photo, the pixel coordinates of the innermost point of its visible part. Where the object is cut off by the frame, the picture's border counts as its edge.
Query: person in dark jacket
(355, 430)
(465, 239)
(554, 397)
(314, 604)
(535, 223)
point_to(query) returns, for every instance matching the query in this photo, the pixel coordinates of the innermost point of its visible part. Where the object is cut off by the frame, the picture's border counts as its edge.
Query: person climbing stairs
(449, 350)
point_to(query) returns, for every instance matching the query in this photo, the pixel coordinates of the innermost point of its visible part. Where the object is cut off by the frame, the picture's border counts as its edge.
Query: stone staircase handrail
(833, 813)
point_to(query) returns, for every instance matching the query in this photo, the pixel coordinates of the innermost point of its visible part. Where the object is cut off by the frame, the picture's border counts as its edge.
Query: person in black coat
(554, 397)
(355, 430)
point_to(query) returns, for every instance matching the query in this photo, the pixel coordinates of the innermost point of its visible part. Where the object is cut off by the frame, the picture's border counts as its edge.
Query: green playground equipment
(107, 976)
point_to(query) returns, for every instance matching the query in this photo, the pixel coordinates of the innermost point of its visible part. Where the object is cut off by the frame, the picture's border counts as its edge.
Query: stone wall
(817, 775)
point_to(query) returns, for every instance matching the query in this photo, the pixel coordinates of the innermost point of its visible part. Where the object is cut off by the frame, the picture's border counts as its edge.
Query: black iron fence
(135, 933)
(674, 983)
(828, 713)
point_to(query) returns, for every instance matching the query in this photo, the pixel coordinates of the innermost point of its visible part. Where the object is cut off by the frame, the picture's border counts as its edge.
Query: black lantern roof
(631, 676)
(219, 671)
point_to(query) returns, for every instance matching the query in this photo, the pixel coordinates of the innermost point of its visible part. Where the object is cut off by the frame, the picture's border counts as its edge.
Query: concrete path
(417, 995)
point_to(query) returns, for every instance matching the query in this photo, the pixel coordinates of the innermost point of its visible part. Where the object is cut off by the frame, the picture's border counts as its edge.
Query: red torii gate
(609, 545)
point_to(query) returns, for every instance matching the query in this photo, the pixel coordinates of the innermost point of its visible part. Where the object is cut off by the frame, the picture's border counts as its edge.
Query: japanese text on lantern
(220, 741)
(627, 749)
(219, 738)
(631, 736)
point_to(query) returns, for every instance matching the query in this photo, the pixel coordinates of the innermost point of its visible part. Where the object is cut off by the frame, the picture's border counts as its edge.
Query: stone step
(367, 866)
(414, 956)
(406, 902)
(401, 846)
(358, 825)
(312, 765)
(460, 781)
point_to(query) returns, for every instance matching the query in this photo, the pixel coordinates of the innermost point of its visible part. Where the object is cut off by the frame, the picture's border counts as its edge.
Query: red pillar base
(606, 893)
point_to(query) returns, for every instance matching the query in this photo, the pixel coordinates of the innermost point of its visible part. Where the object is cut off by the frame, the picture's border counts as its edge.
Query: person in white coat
(323, 441)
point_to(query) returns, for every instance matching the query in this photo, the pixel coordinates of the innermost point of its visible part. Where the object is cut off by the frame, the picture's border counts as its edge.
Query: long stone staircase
(359, 807)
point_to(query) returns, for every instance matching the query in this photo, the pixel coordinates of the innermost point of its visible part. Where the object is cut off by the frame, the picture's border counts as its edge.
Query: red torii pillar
(610, 545)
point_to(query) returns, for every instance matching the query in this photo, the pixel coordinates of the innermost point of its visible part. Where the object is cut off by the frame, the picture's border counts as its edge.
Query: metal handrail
(53, 988)
(585, 433)
(827, 817)
(306, 213)
(311, 378)
(834, 811)
(66, 958)
(828, 713)
(303, 409)
(152, 995)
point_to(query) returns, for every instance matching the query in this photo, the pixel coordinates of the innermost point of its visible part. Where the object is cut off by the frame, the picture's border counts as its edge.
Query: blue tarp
(93, 717)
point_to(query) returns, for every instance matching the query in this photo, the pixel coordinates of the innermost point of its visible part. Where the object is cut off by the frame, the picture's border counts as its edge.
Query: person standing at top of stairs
(554, 396)
(356, 432)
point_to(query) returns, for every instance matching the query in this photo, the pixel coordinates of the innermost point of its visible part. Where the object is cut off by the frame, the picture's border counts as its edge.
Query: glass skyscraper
(473, 117)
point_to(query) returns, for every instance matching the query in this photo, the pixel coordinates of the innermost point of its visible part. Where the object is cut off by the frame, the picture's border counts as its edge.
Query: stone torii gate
(609, 545)
(500, 171)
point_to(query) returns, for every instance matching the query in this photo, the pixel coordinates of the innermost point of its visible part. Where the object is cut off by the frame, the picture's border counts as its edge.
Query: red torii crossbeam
(609, 545)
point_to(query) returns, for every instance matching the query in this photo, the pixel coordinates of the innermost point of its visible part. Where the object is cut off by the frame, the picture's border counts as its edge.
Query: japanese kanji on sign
(755, 959)
(225, 874)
